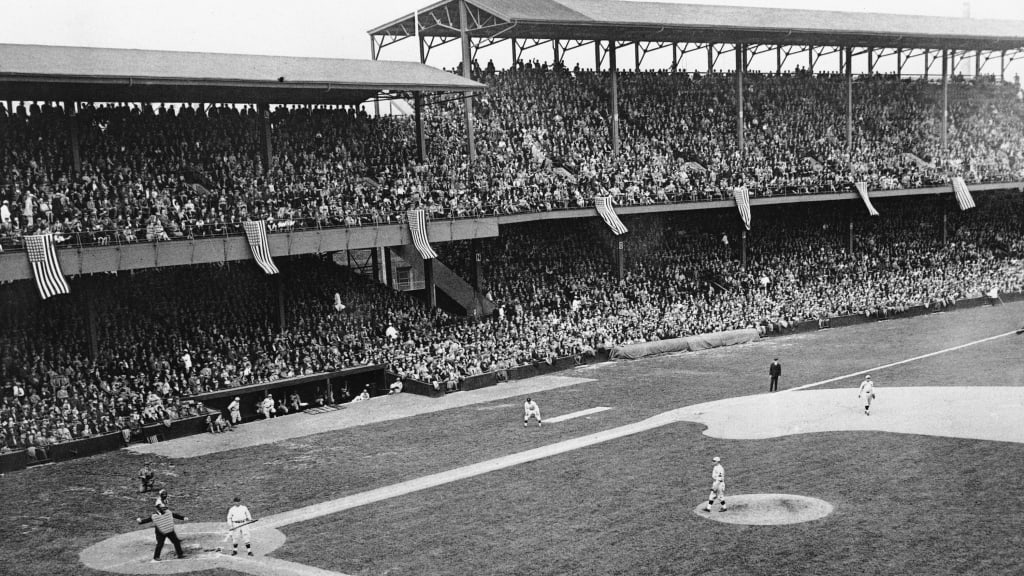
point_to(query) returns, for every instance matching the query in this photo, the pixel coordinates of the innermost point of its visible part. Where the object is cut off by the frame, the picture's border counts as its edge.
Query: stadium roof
(113, 75)
(657, 21)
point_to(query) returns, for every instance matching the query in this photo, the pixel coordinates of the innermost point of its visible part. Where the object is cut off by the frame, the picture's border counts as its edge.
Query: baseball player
(235, 411)
(146, 477)
(867, 390)
(163, 523)
(238, 518)
(531, 410)
(717, 485)
(161, 498)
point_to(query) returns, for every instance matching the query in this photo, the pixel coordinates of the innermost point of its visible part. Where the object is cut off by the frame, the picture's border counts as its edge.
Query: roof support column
(848, 70)
(927, 64)
(515, 53)
(741, 64)
(422, 46)
(636, 54)
(675, 57)
(945, 104)
(421, 141)
(810, 59)
(711, 58)
(1002, 66)
(428, 282)
(263, 125)
(71, 113)
(614, 104)
(466, 72)
(899, 63)
(871, 60)
(977, 63)
(376, 97)
(778, 60)
(597, 55)
(558, 56)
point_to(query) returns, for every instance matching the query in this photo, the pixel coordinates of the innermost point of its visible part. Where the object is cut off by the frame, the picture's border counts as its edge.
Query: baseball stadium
(671, 289)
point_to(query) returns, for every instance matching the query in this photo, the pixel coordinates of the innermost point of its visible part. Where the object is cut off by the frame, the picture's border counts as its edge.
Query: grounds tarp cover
(687, 344)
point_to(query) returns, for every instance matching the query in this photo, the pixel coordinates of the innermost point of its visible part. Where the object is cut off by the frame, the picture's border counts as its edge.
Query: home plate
(572, 415)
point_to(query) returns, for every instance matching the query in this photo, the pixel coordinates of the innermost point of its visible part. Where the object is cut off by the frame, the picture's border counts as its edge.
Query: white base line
(921, 357)
(572, 415)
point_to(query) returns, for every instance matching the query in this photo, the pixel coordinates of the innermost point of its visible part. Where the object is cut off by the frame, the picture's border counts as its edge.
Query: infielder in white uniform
(867, 390)
(717, 485)
(235, 411)
(531, 410)
(238, 516)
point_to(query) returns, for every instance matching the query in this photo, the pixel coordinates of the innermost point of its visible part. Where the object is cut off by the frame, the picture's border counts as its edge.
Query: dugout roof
(665, 22)
(61, 73)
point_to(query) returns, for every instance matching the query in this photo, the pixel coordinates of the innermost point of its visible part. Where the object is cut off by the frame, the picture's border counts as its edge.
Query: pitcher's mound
(767, 509)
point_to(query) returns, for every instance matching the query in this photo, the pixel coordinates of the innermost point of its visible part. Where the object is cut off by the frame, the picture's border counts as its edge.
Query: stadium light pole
(467, 73)
(612, 45)
(849, 107)
(741, 64)
(945, 104)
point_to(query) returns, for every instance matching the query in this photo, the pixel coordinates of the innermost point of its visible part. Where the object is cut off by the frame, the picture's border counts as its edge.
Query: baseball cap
(716, 459)
(868, 377)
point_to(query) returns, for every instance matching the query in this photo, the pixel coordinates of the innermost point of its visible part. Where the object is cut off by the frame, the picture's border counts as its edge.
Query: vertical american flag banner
(963, 195)
(256, 233)
(862, 189)
(607, 212)
(418, 229)
(42, 255)
(742, 197)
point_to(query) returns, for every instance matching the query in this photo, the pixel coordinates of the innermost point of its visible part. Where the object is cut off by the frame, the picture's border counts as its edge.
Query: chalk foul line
(890, 365)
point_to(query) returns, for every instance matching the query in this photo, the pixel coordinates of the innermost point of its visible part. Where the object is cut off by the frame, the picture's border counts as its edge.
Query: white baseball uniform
(531, 410)
(718, 481)
(867, 390)
(237, 516)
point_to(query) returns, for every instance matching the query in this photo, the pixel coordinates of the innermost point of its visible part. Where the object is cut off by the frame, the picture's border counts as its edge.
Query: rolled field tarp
(687, 344)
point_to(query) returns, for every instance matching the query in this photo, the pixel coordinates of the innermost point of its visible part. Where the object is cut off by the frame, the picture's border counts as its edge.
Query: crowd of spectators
(152, 173)
(164, 335)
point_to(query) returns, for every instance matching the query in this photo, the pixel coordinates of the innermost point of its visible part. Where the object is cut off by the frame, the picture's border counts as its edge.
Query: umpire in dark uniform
(775, 370)
(163, 522)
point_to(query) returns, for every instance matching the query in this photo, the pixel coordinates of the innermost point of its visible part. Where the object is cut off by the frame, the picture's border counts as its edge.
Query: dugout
(328, 387)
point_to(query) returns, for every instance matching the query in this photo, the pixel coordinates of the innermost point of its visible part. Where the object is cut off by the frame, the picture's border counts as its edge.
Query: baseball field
(930, 483)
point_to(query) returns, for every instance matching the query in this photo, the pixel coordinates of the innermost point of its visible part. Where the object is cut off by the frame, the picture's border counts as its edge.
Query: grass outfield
(904, 504)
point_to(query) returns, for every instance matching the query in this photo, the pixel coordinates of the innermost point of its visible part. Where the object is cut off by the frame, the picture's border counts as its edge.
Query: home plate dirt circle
(132, 553)
(767, 509)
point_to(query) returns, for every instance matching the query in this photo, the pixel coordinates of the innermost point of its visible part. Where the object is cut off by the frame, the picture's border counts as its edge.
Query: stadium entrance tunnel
(205, 546)
(767, 509)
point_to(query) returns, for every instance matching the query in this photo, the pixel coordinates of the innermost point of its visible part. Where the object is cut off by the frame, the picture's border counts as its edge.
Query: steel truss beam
(479, 24)
(754, 50)
(816, 52)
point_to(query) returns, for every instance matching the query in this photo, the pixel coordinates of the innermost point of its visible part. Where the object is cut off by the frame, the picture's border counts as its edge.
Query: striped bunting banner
(607, 212)
(963, 195)
(742, 197)
(42, 255)
(256, 233)
(418, 228)
(862, 189)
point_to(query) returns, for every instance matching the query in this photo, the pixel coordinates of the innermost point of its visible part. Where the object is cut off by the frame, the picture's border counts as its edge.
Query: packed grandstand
(179, 171)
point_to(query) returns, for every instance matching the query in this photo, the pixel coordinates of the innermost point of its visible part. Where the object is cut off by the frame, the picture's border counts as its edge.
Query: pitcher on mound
(717, 485)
